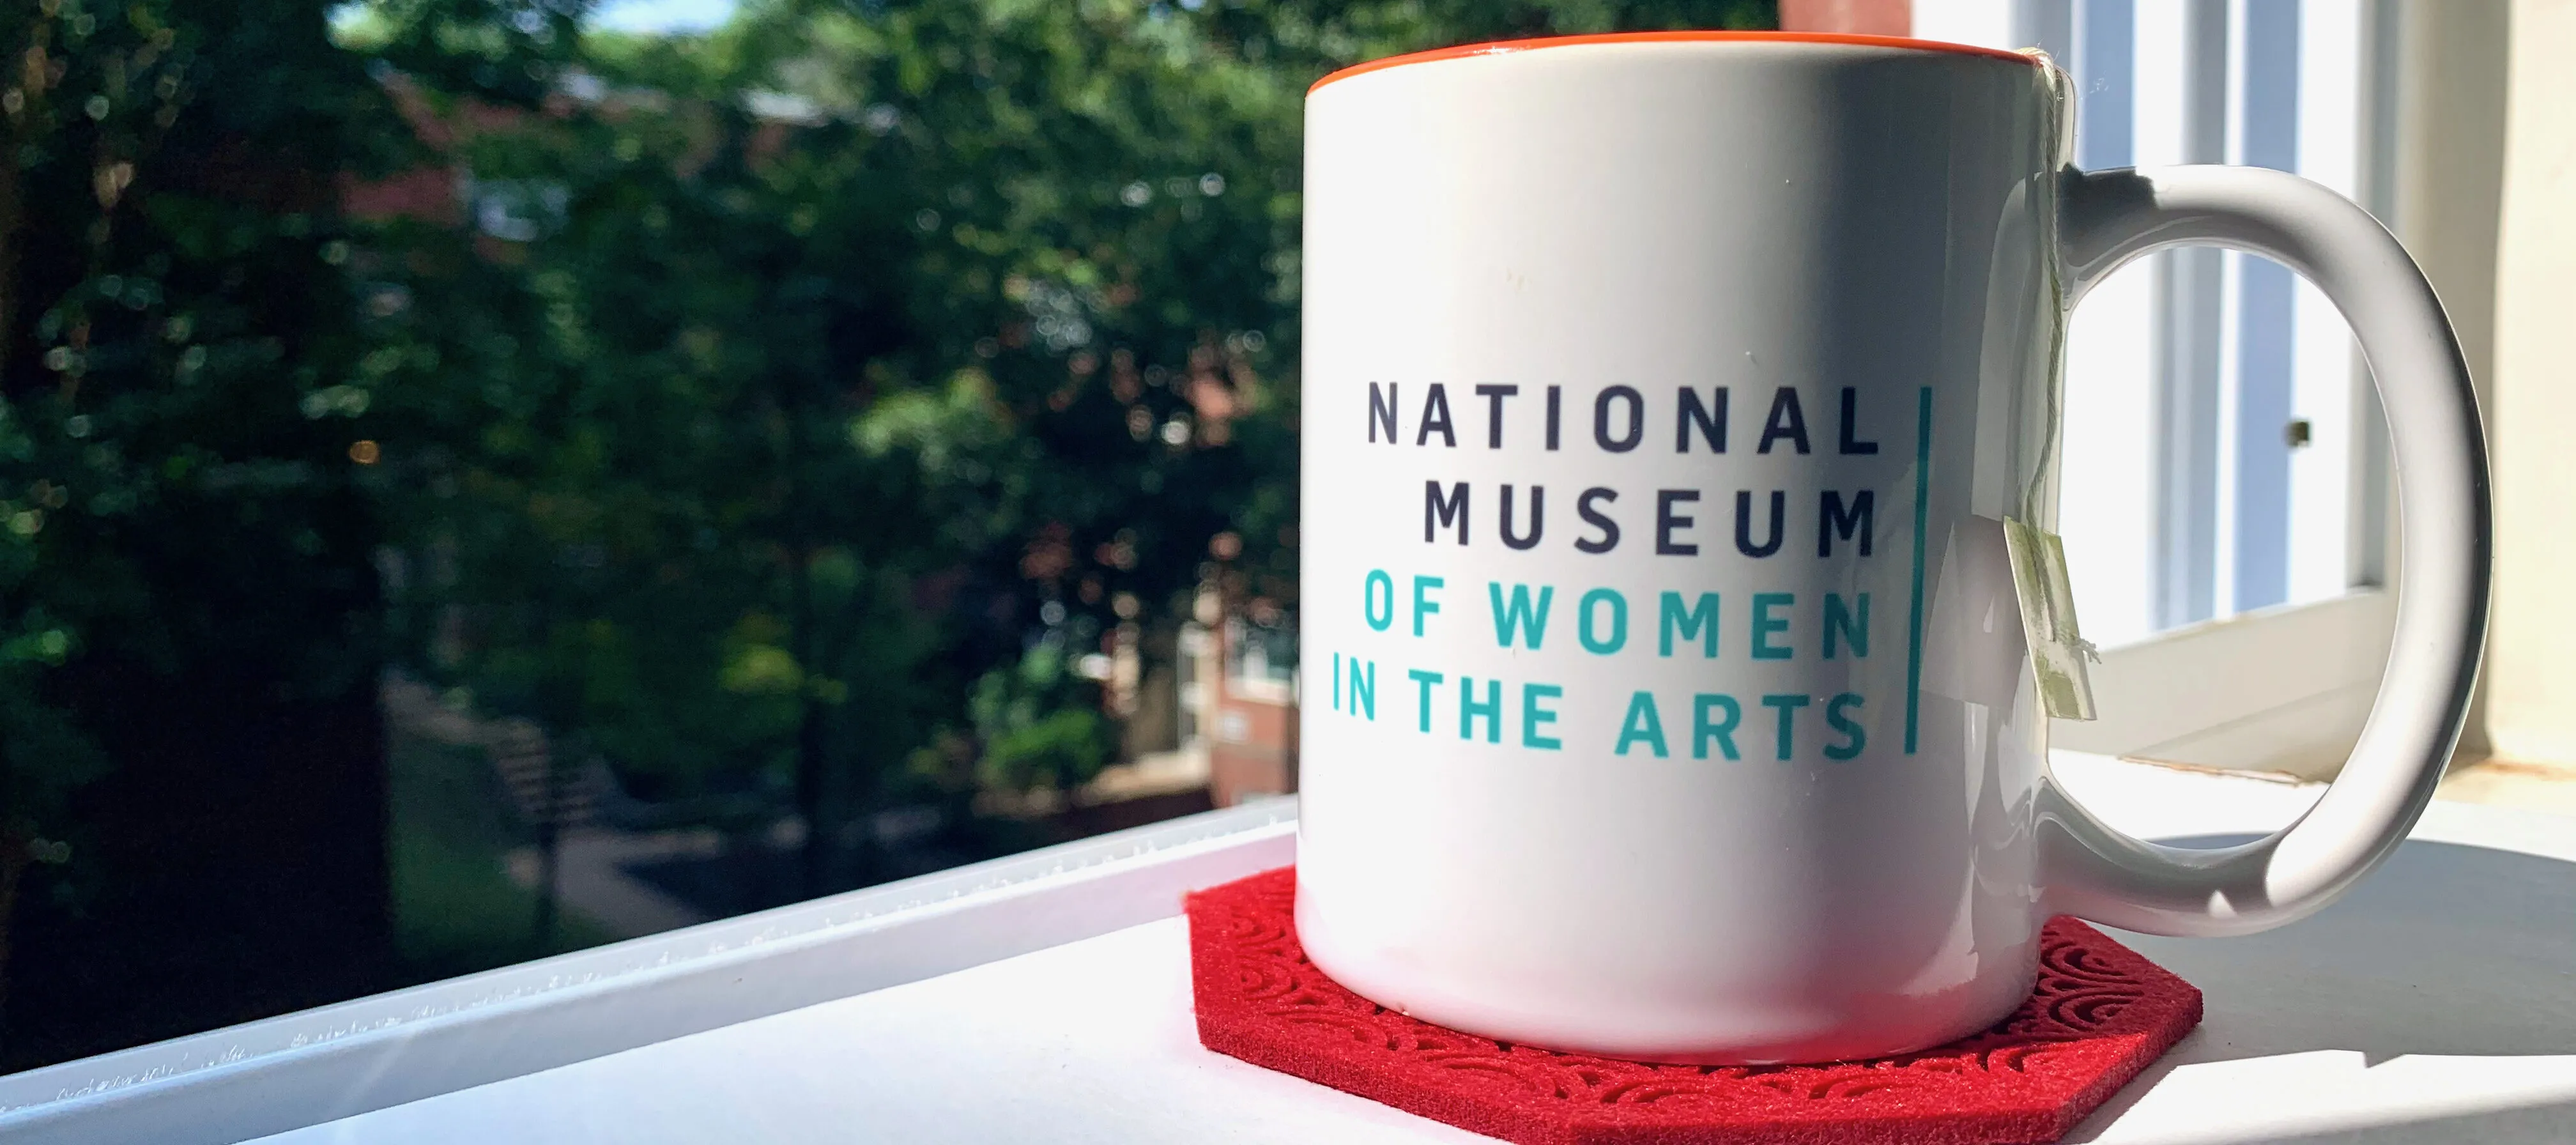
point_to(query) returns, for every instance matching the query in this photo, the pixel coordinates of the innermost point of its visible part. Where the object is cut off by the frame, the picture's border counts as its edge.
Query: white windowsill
(1045, 998)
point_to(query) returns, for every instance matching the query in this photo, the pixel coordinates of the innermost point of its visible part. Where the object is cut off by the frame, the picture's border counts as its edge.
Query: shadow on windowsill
(2437, 1001)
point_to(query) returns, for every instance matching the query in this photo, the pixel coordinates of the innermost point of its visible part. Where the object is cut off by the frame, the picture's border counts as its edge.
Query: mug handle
(2107, 218)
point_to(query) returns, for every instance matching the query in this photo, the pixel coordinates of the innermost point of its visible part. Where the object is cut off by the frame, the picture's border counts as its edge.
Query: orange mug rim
(1512, 47)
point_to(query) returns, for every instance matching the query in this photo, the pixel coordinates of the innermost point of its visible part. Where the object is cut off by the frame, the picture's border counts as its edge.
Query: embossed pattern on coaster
(2100, 1014)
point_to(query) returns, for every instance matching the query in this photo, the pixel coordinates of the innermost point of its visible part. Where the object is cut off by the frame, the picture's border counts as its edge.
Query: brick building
(1238, 699)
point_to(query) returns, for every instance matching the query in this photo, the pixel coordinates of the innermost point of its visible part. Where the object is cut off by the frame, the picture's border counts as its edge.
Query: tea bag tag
(2058, 650)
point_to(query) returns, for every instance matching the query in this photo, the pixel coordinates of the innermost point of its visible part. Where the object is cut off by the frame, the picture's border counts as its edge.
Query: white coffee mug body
(1666, 399)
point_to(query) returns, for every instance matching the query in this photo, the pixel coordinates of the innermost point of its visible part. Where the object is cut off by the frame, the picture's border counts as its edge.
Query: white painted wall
(1987, 23)
(2531, 674)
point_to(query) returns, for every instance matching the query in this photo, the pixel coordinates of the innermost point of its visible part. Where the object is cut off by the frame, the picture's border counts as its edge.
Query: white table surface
(2438, 1002)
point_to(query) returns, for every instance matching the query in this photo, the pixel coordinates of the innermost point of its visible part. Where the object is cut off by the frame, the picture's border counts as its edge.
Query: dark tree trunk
(14, 858)
(549, 851)
(812, 766)
(242, 869)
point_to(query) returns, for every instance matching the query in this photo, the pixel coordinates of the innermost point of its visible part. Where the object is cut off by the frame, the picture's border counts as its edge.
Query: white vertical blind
(2185, 498)
(2323, 356)
(2128, 112)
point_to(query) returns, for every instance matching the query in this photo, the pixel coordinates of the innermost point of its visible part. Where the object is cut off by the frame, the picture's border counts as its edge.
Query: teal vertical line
(1922, 509)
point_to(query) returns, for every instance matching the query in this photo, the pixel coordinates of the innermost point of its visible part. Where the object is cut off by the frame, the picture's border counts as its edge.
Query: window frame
(2280, 689)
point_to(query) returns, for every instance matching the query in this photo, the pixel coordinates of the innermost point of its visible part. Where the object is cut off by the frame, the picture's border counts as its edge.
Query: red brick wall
(1251, 748)
(1873, 17)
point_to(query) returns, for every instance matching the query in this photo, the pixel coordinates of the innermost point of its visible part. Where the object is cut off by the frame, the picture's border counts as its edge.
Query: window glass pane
(2210, 424)
(487, 477)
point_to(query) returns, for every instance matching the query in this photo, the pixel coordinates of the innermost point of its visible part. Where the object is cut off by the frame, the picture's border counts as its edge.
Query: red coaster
(2101, 1013)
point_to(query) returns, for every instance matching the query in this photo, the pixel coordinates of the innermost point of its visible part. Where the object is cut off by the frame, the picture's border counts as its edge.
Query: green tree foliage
(851, 366)
(884, 348)
(1040, 727)
(186, 598)
(784, 413)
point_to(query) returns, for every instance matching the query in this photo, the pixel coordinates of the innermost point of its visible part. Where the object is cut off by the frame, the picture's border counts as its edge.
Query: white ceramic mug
(1666, 399)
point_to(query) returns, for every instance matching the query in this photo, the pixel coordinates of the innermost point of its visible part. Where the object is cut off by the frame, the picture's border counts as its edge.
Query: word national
(1680, 522)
